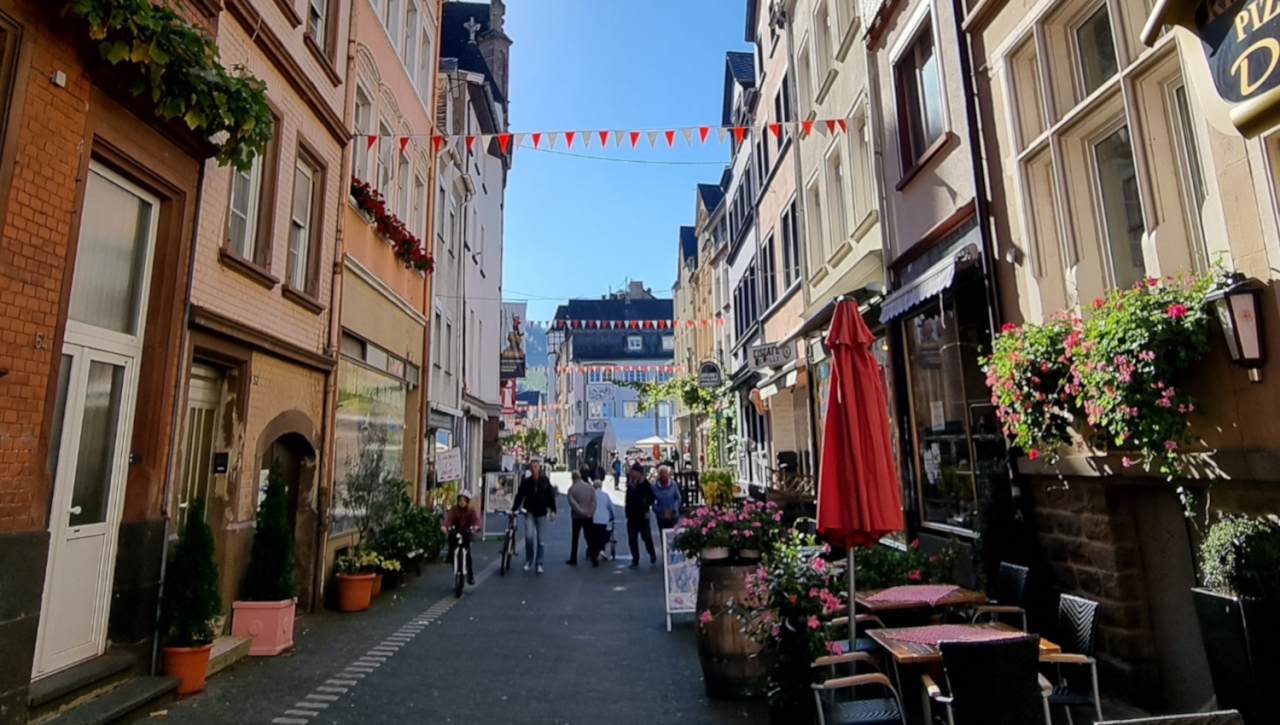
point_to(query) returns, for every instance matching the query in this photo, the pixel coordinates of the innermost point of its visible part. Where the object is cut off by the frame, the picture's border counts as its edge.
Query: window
(668, 343)
(817, 244)
(448, 346)
(391, 21)
(768, 275)
(606, 410)
(664, 410)
(1096, 50)
(364, 127)
(386, 161)
(308, 185)
(806, 82)
(1193, 172)
(919, 98)
(246, 200)
(824, 48)
(593, 375)
(861, 168)
(630, 409)
(635, 342)
(411, 37)
(318, 22)
(426, 65)
(403, 187)
(607, 375)
(1121, 207)
(436, 341)
(420, 209)
(790, 247)
(837, 202)
(595, 410)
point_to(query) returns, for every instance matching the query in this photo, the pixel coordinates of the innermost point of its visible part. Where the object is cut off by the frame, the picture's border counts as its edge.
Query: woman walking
(601, 524)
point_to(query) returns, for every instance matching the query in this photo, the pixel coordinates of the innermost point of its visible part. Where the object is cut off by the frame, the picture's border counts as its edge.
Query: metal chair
(1226, 717)
(850, 710)
(992, 683)
(1077, 631)
(1011, 587)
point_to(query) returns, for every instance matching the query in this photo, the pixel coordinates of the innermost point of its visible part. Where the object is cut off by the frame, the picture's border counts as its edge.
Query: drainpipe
(176, 413)
(428, 305)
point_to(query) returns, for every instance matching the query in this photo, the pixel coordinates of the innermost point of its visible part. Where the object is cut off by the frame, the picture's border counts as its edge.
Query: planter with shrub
(1237, 610)
(266, 612)
(190, 604)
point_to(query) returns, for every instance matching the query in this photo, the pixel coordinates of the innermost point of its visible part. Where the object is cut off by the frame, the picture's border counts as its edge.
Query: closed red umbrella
(858, 482)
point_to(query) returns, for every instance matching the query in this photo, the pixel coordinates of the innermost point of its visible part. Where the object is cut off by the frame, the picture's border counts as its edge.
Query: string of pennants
(553, 406)
(620, 368)
(622, 324)
(622, 138)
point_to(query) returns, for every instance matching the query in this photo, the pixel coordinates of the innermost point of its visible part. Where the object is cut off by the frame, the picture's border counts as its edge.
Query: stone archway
(289, 438)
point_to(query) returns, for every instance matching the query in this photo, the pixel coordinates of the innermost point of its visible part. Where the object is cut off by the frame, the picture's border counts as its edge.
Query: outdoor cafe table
(867, 599)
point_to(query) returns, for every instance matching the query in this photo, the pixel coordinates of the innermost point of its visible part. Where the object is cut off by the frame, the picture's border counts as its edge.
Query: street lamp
(1238, 313)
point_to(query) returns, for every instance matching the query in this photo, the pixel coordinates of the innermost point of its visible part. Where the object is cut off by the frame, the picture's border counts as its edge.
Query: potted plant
(355, 574)
(390, 571)
(1240, 564)
(706, 535)
(269, 591)
(718, 488)
(190, 604)
(754, 529)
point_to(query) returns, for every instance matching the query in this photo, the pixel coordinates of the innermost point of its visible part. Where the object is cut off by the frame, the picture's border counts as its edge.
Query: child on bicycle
(462, 518)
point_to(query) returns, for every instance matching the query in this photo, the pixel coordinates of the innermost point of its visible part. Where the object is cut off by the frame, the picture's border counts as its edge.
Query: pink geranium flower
(813, 622)
(705, 616)
(1177, 310)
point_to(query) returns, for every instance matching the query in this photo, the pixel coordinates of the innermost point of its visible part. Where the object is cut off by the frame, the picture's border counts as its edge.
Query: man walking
(582, 507)
(639, 501)
(538, 497)
(617, 471)
(666, 503)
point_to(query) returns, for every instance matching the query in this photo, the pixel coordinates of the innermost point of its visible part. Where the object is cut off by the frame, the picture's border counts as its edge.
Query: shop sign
(709, 375)
(772, 356)
(508, 397)
(449, 465)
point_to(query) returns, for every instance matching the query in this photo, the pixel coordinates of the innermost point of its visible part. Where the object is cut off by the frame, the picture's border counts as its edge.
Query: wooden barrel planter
(729, 668)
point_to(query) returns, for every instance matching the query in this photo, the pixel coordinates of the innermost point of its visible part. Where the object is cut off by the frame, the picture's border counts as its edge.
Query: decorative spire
(473, 27)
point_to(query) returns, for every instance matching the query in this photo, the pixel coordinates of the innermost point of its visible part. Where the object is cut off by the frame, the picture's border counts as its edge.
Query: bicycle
(508, 544)
(460, 571)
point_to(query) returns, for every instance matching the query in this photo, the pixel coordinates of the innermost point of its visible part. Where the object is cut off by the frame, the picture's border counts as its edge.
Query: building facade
(684, 292)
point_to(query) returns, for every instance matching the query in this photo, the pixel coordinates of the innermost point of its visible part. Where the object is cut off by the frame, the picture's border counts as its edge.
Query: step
(119, 703)
(79, 683)
(226, 652)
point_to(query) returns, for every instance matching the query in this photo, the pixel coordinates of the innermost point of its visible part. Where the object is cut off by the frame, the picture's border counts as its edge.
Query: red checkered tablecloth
(934, 634)
(929, 594)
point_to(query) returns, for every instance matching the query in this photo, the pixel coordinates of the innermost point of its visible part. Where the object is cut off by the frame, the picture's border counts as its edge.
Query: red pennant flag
(575, 323)
(604, 139)
(704, 323)
(688, 323)
(671, 138)
(568, 138)
(633, 324)
(844, 125)
(702, 134)
(831, 127)
(635, 136)
(536, 138)
(775, 129)
(503, 140)
(436, 141)
(404, 141)
(808, 127)
(738, 132)
(470, 140)
(373, 140)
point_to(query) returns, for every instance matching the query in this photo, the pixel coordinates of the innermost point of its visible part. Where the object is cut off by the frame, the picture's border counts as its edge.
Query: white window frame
(635, 343)
(252, 215)
(301, 231)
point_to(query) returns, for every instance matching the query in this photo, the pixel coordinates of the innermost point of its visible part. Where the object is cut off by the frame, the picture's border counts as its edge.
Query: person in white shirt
(601, 524)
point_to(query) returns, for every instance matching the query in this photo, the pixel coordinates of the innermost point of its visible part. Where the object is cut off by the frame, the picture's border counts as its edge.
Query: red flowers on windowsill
(408, 248)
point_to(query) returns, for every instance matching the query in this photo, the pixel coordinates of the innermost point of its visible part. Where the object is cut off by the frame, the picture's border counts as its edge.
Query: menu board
(680, 578)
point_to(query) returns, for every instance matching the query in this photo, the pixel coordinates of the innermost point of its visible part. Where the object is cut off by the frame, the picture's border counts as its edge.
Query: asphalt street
(573, 645)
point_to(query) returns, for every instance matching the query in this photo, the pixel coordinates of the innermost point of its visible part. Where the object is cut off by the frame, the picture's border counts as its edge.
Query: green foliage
(407, 528)
(1241, 556)
(683, 388)
(755, 526)
(718, 487)
(176, 64)
(1113, 373)
(358, 561)
(191, 600)
(271, 576)
(532, 440)
(368, 494)
(722, 439)
(881, 567)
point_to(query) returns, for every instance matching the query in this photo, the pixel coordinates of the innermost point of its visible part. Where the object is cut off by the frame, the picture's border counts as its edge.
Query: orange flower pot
(377, 585)
(269, 624)
(189, 664)
(354, 592)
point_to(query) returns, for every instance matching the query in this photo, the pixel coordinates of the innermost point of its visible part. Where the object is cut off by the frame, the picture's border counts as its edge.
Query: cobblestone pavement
(574, 645)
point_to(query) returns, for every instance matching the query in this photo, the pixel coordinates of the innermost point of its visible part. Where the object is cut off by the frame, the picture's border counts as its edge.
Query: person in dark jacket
(639, 501)
(538, 498)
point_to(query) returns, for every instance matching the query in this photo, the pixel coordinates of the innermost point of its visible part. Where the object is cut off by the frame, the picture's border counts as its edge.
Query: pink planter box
(270, 624)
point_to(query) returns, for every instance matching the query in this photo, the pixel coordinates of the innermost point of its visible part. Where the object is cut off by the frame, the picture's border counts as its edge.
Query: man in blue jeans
(538, 498)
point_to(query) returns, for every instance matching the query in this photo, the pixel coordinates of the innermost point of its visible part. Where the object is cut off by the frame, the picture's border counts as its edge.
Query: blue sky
(578, 227)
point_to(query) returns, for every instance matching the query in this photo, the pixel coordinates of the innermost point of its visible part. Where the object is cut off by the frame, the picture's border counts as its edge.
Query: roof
(739, 70)
(689, 244)
(455, 40)
(616, 309)
(711, 195)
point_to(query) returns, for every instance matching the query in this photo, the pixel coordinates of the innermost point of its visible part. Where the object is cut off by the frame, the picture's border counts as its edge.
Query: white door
(93, 416)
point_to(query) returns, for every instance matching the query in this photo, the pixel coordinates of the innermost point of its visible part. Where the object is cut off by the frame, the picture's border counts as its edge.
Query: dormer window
(635, 343)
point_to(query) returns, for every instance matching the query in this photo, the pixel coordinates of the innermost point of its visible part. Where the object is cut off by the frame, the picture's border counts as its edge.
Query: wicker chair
(1011, 588)
(837, 703)
(1226, 717)
(1077, 630)
(992, 683)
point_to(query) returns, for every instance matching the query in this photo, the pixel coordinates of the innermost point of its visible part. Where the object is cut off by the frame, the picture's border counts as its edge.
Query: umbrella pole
(853, 611)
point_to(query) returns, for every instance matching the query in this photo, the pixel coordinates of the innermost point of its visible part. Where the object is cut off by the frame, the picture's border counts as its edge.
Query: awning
(933, 282)
(744, 378)
(782, 380)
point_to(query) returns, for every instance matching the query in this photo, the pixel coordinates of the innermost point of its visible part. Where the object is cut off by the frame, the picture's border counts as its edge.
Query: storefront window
(957, 448)
(369, 438)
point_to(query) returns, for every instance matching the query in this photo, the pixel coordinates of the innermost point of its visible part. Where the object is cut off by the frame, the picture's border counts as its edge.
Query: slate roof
(455, 40)
(711, 195)
(688, 244)
(616, 309)
(740, 69)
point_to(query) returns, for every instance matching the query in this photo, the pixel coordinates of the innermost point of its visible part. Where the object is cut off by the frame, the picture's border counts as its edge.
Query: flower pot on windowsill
(189, 664)
(269, 624)
(354, 592)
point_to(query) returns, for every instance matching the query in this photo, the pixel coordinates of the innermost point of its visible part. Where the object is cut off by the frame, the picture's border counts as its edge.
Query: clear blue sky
(578, 227)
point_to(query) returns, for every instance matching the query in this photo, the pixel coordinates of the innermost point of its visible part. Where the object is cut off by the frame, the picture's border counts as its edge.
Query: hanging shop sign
(709, 375)
(508, 392)
(512, 360)
(772, 356)
(449, 465)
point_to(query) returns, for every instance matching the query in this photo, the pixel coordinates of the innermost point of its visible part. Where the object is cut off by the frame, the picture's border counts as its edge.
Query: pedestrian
(601, 524)
(666, 504)
(617, 471)
(582, 506)
(639, 502)
(595, 471)
(462, 519)
(538, 498)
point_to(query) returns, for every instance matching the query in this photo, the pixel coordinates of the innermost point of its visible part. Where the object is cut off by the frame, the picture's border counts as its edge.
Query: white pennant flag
(516, 140)
(688, 136)
(619, 137)
(586, 139)
(653, 139)
(721, 131)
(551, 139)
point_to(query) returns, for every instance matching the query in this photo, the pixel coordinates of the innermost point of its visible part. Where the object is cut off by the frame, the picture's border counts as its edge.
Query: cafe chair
(863, 622)
(991, 683)
(837, 703)
(1011, 588)
(1077, 631)
(1226, 717)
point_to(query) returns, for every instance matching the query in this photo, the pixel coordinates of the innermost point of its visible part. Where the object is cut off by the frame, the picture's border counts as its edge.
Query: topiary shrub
(1241, 556)
(271, 576)
(191, 600)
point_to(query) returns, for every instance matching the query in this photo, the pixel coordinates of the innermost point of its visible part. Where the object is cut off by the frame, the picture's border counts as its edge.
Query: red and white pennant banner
(620, 369)
(623, 139)
(623, 324)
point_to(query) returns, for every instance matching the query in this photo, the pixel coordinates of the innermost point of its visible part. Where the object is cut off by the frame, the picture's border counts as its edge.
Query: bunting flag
(619, 137)
(653, 139)
(671, 138)
(721, 131)
(702, 134)
(808, 128)
(537, 138)
(604, 139)
(688, 136)
(504, 139)
(373, 140)
(435, 142)
(586, 139)
(404, 141)
(623, 324)
(551, 139)
(568, 139)
(775, 129)
(738, 133)
(470, 140)
(635, 136)
(674, 369)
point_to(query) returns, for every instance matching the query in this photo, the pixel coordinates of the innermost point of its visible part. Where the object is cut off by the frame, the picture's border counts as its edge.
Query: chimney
(636, 290)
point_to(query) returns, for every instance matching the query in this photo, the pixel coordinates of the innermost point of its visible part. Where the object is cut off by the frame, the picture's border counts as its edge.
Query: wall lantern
(1239, 314)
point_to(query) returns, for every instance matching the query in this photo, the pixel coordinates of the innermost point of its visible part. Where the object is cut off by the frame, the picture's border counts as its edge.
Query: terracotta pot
(377, 585)
(354, 592)
(270, 624)
(189, 664)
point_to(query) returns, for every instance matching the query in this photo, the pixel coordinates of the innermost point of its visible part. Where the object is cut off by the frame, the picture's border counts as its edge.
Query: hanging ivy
(176, 64)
